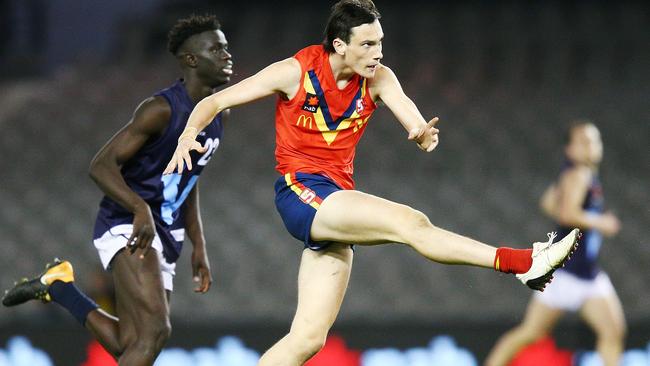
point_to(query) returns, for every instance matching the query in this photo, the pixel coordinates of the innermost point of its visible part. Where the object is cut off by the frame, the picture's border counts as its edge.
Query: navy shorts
(297, 198)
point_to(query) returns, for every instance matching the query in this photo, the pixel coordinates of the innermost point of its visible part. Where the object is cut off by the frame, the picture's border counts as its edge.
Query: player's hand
(426, 136)
(182, 155)
(144, 230)
(609, 224)
(201, 270)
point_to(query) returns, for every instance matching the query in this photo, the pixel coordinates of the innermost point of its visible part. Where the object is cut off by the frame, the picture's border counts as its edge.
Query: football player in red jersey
(326, 94)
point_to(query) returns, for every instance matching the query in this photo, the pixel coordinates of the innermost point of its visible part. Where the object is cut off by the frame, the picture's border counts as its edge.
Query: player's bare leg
(56, 284)
(106, 330)
(605, 317)
(322, 282)
(538, 322)
(114, 335)
(361, 218)
(355, 217)
(125, 337)
(142, 308)
(138, 335)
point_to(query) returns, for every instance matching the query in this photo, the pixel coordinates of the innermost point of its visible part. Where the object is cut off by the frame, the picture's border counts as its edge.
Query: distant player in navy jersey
(143, 209)
(576, 200)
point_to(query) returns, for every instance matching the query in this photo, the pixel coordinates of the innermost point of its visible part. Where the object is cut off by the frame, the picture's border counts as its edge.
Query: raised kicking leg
(361, 218)
(356, 217)
(322, 282)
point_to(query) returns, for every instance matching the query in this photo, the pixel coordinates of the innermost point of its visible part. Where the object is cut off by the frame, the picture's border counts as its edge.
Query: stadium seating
(504, 79)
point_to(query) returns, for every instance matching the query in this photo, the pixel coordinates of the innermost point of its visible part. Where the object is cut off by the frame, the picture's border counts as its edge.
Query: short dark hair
(572, 126)
(187, 27)
(347, 14)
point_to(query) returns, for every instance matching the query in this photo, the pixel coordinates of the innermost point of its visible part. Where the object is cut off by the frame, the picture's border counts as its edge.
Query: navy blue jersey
(164, 194)
(583, 262)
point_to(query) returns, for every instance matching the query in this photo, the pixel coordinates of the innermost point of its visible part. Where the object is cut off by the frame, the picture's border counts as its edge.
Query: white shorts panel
(569, 292)
(115, 240)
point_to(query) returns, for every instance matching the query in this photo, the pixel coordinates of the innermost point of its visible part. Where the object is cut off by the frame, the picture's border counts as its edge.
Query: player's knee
(155, 320)
(410, 222)
(162, 333)
(154, 335)
(309, 341)
(419, 220)
(314, 344)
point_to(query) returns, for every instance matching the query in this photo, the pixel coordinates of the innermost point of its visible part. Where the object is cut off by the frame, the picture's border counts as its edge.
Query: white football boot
(547, 257)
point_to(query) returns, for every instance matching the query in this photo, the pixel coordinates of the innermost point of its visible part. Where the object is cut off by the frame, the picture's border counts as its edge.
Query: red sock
(509, 260)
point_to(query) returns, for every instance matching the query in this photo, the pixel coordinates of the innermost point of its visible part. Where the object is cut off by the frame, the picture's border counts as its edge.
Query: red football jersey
(318, 130)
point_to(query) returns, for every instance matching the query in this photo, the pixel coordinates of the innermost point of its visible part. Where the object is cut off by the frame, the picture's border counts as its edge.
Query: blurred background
(505, 78)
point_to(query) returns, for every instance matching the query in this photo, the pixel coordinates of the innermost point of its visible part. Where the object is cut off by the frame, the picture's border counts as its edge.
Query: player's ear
(189, 60)
(339, 46)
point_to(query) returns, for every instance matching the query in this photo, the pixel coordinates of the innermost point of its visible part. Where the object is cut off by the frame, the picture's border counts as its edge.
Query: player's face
(363, 52)
(586, 146)
(214, 63)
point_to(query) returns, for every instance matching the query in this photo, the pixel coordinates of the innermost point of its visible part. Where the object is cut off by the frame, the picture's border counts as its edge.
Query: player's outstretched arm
(201, 273)
(386, 87)
(281, 77)
(149, 119)
(572, 190)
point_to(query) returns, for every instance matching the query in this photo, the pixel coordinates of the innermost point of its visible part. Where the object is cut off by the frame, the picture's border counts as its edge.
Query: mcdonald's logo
(305, 120)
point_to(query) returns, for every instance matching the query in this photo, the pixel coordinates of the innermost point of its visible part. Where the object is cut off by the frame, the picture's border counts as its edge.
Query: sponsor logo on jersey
(359, 107)
(305, 120)
(307, 195)
(311, 103)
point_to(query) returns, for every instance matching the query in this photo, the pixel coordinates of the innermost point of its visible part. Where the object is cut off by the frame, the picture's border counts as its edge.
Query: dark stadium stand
(505, 80)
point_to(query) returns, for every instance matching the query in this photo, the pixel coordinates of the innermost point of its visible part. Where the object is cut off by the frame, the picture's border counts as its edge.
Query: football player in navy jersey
(145, 216)
(576, 200)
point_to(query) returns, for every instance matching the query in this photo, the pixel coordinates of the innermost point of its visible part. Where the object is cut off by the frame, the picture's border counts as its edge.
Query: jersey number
(212, 146)
(173, 200)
